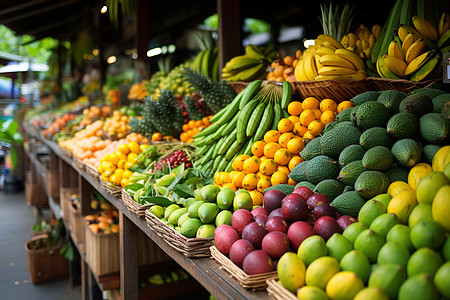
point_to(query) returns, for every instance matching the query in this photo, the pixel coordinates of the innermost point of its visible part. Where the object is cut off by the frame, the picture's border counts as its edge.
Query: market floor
(16, 221)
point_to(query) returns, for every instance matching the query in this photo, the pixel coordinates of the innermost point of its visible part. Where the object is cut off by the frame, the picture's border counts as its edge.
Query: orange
(191, 124)
(257, 197)
(295, 145)
(308, 135)
(258, 148)
(283, 169)
(237, 179)
(295, 108)
(157, 137)
(198, 123)
(238, 163)
(288, 71)
(285, 125)
(327, 117)
(299, 129)
(288, 60)
(271, 136)
(294, 119)
(276, 63)
(294, 63)
(270, 149)
(295, 160)
(310, 103)
(278, 71)
(251, 165)
(134, 147)
(279, 79)
(216, 178)
(306, 117)
(249, 182)
(317, 113)
(205, 121)
(229, 185)
(262, 158)
(279, 177)
(285, 138)
(184, 136)
(292, 182)
(327, 104)
(315, 127)
(298, 53)
(185, 127)
(282, 156)
(268, 167)
(263, 183)
(224, 178)
(124, 149)
(344, 105)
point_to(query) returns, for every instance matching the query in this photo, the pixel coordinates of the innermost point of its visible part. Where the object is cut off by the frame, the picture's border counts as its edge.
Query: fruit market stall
(324, 172)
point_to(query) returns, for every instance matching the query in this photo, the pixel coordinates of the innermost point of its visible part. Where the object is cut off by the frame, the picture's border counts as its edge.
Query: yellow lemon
(321, 270)
(291, 271)
(402, 205)
(417, 173)
(397, 187)
(441, 158)
(344, 286)
(441, 207)
(312, 293)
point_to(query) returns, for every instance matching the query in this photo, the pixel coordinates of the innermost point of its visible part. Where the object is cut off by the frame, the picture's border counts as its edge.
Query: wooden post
(229, 30)
(128, 259)
(84, 191)
(142, 32)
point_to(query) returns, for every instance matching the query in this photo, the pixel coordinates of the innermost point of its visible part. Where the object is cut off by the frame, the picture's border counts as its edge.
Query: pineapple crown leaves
(197, 80)
(334, 22)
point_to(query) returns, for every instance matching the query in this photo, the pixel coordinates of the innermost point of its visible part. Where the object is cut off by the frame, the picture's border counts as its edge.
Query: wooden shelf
(205, 270)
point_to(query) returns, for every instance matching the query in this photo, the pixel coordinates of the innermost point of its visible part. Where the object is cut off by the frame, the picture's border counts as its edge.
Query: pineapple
(192, 109)
(166, 115)
(143, 124)
(216, 94)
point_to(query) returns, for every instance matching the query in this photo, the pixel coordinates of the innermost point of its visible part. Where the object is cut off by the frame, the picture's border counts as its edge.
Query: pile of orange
(192, 128)
(117, 125)
(277, 154)
(281, 69)
(94, 113)
(138, 91)
(106, 222)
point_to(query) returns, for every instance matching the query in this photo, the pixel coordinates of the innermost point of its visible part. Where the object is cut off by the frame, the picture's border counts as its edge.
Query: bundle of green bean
(234, 129)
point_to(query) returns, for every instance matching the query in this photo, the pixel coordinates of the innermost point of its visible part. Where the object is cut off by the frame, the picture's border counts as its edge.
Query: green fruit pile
(199, 217)
(374, 143)
(389, 253)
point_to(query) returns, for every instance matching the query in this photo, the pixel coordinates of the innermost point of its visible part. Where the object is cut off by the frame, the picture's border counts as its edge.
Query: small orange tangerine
(230, 185)
(295, 145)
(251, 165)
(205, 121)
(270, 149)
(238, 163)
(310, 103)
(249, 182)
(308, 135)
(237, 179)
(257, 197)
(316, 128)
(198, 123)
(294, 119)
(224, 178)
(288, 60)
(263, 183)
(191, 124)
(216, 178)
(292, 182)
(328, 116)
(344, 105)
(283, 169)
(295, 108)
(285, 125)
(258, 148)
(185, 127)
(285, 138)
(317, 113)
(157, 136)
(279, 177)
(298, 53)
(295, 160)
(271, 136)
(268, 167)
(299, 129)
(306, 117)
(278, 71)
(282, 156)
(327, 104)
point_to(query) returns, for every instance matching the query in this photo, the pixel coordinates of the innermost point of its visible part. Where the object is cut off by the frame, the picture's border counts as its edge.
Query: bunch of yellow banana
(250, 66)
(362, 41)
(415, 53)
(329, 60)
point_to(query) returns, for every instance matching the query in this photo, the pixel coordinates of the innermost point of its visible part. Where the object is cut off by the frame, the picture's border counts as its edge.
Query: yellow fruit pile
(138, 91)
(277, 154)
(114, 166)
(283, 69)
(117, 125)
(192, 128)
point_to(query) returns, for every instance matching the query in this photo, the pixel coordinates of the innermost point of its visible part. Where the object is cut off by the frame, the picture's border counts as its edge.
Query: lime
(225, 198)
(370, 210)
(344, 285)
(312, 248)
(400, 234)
(356, 261)
(424, 260)
(338, 245)
(243, 200)
(429, 186)
(427, 234)
(158, 211)
(422, 212)
(353, 230)
(383, 223)
(371, 293)
(393, 253)
(369, 242)
(388, 278)
(446, 249)
(320, 271)
(442, 279)
(418, 287)
(384, 198)
(312, 293)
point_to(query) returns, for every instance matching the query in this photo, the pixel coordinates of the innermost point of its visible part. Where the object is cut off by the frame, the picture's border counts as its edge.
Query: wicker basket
(190, 247)
(53, 184)
(338, 90)
(76, 223)
(402, 85)
(45, 264)
(102, 252)
(238, 86)
(113, 190)
(133, 206)
(92, 171)
(64, 198)
(253, 282)
(78, 163)
(277, 291)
